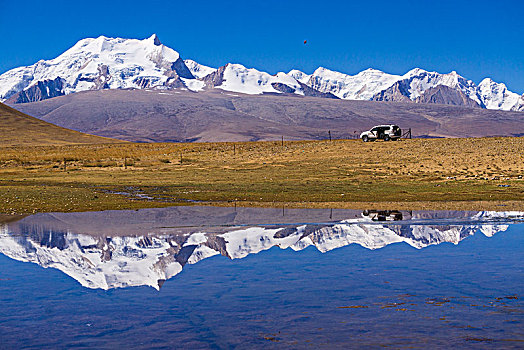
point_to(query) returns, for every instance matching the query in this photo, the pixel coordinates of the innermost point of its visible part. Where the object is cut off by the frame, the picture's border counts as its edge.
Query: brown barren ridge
(17, 128)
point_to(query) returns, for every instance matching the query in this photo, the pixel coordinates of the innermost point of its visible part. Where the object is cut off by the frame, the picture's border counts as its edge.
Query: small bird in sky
(305, 42)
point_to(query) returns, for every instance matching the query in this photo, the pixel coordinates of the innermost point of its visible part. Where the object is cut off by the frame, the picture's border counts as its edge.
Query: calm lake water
(205, 277)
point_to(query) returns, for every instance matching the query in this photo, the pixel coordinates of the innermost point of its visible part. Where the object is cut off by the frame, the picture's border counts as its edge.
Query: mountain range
(116, 63)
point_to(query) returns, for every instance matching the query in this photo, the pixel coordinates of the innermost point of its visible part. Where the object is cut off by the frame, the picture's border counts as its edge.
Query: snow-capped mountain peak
(414, 72)
(99, 63)
(497, 96)
(299, 76)
(155, 39)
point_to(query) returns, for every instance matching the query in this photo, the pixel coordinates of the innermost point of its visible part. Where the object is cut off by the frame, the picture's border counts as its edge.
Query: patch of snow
(198, 70)
(200, 253)
(196, 238)
(194, 84)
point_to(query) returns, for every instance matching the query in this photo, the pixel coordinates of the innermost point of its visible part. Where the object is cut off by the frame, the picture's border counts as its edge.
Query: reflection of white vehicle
(384, 132)
(382, 215)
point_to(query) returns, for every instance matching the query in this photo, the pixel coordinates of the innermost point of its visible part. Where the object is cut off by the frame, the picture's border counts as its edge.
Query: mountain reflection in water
(113, 249)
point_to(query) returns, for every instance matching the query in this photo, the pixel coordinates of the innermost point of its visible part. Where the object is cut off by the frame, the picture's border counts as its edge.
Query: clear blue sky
(476, 38)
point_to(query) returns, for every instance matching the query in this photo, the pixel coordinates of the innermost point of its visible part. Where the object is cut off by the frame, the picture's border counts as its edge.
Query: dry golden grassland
(480, 173)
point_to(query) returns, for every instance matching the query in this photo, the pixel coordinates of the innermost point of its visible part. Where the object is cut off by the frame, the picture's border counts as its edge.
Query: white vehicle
(383, 132)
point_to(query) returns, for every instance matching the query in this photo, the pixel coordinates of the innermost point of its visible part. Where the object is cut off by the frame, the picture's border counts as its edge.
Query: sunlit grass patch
(340, 171)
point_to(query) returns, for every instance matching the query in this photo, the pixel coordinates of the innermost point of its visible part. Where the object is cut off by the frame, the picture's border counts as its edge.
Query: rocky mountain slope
(444, 95)
(116, 63)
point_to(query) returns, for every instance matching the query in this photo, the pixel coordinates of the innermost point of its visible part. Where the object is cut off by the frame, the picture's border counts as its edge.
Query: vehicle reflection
(383, 215)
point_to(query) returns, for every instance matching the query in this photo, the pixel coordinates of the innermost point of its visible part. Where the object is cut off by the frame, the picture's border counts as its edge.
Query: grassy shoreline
(481, 173)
